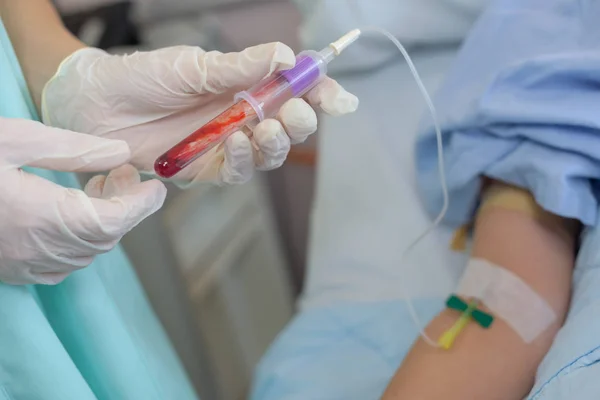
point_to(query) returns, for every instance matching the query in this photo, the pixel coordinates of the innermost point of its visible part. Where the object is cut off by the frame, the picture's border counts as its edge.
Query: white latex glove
(46, 230)
(154, 99)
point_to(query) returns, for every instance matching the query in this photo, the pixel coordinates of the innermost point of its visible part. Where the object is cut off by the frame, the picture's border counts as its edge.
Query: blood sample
(252, 106)
(200, 141)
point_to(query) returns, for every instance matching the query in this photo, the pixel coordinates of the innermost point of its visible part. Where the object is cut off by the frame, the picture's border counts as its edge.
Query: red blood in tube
(183, 153)
(275, 92)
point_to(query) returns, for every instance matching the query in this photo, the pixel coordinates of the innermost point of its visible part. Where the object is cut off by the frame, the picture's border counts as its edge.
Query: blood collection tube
(251, 106)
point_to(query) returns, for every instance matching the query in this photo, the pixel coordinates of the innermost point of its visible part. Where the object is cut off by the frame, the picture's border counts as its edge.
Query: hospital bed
(353, 328)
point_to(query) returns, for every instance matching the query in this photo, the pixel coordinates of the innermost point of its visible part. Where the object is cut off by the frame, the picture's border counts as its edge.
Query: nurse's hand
(154, 99)
(48, 231)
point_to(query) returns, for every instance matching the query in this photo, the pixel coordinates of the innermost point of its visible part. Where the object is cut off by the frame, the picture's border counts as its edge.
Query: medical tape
(507, 297)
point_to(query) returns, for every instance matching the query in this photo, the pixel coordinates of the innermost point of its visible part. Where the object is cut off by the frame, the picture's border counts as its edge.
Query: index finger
(34, 144)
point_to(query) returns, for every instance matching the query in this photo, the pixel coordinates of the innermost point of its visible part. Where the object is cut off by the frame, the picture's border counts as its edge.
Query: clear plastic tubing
(251, 106)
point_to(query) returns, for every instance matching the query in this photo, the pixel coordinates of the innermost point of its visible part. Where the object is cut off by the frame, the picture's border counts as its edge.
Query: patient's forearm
(494, 363)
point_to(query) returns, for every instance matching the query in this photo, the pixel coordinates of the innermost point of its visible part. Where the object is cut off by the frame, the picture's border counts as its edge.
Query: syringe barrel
(267, 96)
(261, 101)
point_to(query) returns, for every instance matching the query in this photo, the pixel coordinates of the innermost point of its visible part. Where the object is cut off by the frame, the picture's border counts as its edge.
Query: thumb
(216, 72)
(30, 143)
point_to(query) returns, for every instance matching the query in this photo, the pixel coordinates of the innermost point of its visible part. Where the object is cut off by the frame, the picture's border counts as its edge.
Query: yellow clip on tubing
(447, 339)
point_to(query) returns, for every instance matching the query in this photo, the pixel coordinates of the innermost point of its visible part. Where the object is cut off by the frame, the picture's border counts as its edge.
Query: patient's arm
(495, 363)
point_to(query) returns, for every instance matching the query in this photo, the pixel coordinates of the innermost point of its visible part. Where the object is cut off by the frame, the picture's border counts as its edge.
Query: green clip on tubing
(482, 318)
(469, 312)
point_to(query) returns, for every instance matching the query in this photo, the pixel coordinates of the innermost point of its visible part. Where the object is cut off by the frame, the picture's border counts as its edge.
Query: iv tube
(251, 106)
(442, 174)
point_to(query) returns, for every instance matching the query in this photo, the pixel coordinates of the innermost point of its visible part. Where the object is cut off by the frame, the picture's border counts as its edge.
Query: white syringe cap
(339, 45)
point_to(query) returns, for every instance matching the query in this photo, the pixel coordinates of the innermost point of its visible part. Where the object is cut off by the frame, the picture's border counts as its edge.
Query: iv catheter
(251, 106)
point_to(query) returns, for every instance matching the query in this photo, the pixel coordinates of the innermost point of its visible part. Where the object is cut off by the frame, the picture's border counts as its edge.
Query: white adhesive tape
(507, 297)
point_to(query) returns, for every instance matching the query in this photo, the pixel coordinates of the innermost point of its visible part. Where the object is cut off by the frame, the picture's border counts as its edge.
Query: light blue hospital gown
(94, 336)
(521, 105)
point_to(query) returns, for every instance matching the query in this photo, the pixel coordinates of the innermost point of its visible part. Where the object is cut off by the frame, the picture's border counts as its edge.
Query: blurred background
(224, 267)
(221, 266)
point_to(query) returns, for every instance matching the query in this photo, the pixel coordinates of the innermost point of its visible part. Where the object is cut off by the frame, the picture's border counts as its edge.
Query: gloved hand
(48, 231)
(154, 99)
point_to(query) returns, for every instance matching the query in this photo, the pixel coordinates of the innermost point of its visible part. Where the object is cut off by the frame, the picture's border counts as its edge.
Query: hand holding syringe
(253, 105)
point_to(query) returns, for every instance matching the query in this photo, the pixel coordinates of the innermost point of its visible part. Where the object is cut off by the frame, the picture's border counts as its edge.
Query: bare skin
(39, 38)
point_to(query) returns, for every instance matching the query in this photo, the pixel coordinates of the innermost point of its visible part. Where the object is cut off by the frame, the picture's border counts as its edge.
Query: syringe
(251, 106)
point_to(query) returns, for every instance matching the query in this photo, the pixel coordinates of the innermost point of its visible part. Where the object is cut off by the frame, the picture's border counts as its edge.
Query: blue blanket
(342, 352)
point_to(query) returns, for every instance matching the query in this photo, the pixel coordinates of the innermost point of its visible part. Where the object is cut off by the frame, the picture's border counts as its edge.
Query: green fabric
(94, 336)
